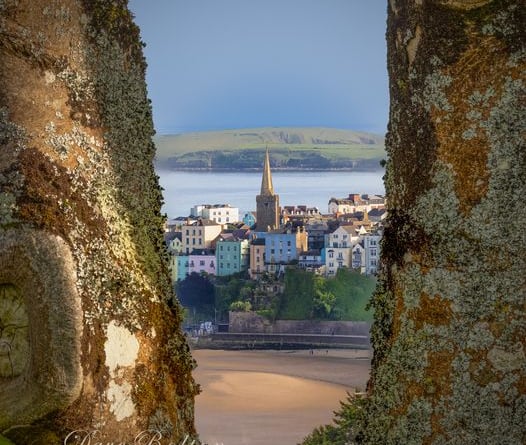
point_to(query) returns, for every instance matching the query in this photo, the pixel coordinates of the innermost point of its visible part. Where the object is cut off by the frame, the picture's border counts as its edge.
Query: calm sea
(183, 190)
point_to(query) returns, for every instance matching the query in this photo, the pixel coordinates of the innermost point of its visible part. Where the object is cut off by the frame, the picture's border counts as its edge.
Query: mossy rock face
(5, 441)
(449, 329)
(31, 435)
(81, 230)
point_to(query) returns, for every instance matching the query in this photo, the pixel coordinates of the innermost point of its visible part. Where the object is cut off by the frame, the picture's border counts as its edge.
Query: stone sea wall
(251, 322)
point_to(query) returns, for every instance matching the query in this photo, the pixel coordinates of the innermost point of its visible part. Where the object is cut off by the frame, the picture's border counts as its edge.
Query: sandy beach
(272, 397)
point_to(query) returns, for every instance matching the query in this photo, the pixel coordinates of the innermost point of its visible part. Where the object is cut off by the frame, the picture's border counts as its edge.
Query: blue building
(182, 266)
(282, 247)
(249, 219)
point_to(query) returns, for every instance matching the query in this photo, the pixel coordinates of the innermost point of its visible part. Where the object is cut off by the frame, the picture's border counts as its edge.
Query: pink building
(202, 260)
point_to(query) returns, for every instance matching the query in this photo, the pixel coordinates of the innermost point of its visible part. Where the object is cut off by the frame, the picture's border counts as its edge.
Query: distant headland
(291, 148)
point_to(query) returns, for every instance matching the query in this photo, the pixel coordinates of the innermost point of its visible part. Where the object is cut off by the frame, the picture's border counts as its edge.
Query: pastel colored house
(282, 247)
(173, 244)
(249, 219)
(182, 267)
(232, 255)
(202, 261)
(199, 235)
(257, 258)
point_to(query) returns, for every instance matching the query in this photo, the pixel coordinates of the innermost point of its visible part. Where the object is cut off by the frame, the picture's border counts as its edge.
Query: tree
(196, 291)
(323, 300)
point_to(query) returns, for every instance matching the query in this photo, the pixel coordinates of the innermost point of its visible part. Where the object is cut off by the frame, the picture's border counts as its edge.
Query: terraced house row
(212, 240)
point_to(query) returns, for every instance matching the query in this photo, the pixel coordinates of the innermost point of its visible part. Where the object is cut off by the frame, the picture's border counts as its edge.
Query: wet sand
(272, 397)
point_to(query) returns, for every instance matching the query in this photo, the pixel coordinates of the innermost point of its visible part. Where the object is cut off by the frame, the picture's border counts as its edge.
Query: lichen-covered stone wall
(450, 332)
(81, 232)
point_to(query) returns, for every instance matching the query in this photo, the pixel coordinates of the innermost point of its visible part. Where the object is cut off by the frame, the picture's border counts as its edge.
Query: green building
(232, 254)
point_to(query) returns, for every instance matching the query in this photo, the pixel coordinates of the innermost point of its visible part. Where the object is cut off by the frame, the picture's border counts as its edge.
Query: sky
(224, 64)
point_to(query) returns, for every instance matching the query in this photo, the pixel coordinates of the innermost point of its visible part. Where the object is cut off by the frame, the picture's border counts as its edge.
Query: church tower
(267, 207)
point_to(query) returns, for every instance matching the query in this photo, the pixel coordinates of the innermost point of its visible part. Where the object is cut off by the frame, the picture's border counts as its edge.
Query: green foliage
(228, 290)
(195, 291)
(353, 292)
(297, 299)
(349, 421)
(343, 297)
(4, 441)
(241, 306)
(323, 300)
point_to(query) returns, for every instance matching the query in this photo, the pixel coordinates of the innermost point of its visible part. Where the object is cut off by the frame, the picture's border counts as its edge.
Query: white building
(371, 244)
(343, 236)
(358, 258)
(356, 203)
(336, 258)
(219, 213)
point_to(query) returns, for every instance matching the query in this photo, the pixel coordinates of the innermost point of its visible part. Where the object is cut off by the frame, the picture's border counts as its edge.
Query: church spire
(266, 181)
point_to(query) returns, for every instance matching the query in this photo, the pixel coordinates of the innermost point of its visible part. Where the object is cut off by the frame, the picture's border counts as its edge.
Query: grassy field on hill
(290, 148)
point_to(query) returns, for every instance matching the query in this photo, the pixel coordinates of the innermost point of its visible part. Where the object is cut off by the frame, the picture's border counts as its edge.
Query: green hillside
(290, 148)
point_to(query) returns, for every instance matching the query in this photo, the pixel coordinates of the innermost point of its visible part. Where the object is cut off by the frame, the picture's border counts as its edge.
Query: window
(221, 248)
(340, 255)
(331, 254)
(344, 236)
(331, 264)
(272, 251)
(288, 243)
(340, 264)
(201, 262)
(373, 252)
